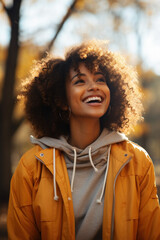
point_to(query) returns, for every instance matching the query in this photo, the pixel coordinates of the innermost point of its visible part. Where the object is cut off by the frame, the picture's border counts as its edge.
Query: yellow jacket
(131, 205)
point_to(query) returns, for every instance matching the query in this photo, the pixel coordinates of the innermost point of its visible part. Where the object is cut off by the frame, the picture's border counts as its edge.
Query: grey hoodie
(87, 170)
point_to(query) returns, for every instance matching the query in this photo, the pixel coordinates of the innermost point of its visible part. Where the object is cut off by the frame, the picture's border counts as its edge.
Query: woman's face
(87, 93)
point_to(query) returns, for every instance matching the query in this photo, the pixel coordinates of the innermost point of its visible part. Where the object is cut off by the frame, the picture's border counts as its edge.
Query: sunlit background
(132, 28)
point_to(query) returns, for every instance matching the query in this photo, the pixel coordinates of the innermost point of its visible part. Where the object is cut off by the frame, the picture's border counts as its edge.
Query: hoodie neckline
(105, 139)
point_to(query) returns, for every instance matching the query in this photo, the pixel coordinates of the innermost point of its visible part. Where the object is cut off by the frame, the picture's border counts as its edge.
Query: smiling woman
(83, 179)
(45, 90)
(88, 97)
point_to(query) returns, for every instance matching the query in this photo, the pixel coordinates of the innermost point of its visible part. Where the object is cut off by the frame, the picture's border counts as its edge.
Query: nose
(93, 86)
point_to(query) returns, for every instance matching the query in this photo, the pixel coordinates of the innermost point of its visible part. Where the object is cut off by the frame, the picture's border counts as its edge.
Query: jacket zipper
(113, 206)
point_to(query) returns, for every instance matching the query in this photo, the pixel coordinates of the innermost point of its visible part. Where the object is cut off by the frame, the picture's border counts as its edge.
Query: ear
(65, 107)
(62, 106)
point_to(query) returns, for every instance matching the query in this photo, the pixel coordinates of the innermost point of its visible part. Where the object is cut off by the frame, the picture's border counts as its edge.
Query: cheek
(71, 97)
(107, 92)
(74, 95)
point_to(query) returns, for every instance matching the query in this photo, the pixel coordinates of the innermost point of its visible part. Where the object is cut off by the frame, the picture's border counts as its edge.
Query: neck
(83, 132)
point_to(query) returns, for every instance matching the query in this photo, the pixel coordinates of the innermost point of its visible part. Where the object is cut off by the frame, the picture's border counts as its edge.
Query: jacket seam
(147, 170)
(113, 205)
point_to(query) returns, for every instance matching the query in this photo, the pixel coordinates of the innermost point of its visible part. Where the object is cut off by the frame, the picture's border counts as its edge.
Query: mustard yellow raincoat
(131, 205)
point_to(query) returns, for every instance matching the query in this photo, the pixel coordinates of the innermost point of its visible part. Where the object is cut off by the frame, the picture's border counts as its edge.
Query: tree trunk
(7, 103)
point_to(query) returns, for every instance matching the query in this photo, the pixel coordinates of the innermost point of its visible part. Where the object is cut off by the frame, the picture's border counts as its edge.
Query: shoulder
(24, 178)
(140, 162)
(28, 163)
(28, 158)
(135, 149)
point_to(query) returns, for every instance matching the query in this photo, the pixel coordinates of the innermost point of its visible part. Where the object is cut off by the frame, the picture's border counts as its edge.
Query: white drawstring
(74, 166)
(90, 158)
(74, 169)
(105, 177)
(54, 176)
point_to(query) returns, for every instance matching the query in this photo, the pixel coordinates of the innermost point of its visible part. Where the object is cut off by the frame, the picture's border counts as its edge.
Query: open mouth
(96, 99)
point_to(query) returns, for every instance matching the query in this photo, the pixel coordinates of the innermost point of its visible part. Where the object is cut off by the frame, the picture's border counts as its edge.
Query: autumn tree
(7, 98)
(8, 125)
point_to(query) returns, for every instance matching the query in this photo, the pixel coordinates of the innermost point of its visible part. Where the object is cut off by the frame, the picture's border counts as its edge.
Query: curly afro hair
(44, 91)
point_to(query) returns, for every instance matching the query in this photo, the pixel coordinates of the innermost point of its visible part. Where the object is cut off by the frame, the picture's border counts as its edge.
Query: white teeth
(89, 99)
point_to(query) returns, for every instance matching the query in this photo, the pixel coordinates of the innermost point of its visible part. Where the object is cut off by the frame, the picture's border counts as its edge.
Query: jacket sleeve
(149, 216)
(20, 221)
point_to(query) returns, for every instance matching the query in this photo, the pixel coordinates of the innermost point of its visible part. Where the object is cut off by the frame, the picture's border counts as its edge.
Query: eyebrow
(78, 74)
(83, 74)
(97, 73)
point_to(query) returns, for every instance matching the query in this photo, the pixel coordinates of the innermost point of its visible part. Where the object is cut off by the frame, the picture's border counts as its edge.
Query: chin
(96, 115)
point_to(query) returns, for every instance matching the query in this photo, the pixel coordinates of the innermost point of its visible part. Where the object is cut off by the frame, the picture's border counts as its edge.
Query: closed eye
(79, 81)
(101, 80)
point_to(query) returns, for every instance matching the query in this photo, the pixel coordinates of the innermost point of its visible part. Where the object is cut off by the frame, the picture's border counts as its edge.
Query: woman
(83, 179)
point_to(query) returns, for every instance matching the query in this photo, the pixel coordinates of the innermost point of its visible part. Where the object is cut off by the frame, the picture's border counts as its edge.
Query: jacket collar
(119, 155)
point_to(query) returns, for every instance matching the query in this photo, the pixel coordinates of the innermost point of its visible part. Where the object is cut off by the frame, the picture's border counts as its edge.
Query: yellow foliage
(3, 52)
(26, 57)
(27, 54)
(80, 4)
(147, 75)
(139, 130)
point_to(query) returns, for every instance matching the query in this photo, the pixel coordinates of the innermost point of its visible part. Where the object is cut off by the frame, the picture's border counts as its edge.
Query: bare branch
(5, 8)
(65, 18)
(3, 4)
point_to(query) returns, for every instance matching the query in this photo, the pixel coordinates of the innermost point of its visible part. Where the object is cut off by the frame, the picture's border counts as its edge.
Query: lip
(93, 103)
(93, 96)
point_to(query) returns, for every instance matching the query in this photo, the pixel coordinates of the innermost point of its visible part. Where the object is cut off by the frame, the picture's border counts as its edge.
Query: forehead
(83, 68)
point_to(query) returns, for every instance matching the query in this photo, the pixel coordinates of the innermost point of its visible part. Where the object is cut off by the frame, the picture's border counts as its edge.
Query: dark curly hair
(44, 91)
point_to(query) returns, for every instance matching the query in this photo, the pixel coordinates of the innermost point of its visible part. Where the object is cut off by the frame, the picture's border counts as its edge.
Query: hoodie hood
(98, 147)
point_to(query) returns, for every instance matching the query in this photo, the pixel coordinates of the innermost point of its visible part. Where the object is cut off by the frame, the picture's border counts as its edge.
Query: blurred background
(29, 28)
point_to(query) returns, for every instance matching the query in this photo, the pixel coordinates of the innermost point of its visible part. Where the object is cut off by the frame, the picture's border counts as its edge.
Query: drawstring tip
(99, 201)
(56, 198)
(96, 170)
